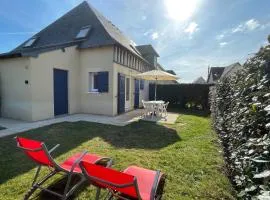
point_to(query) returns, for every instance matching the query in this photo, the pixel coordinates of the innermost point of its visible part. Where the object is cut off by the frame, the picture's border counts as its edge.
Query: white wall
(35, 101)
(96, 60)
(15, 94)
(42, 81)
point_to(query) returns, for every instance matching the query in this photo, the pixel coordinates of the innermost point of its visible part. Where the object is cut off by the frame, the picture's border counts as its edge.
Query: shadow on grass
(138, 135)
(59, 186)
(200, 113)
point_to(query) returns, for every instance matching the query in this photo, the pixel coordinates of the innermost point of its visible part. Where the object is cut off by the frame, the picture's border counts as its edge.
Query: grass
(187, 152)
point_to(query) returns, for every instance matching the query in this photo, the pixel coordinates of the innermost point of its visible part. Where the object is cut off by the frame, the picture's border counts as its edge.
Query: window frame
(92, 76)
(83, 35)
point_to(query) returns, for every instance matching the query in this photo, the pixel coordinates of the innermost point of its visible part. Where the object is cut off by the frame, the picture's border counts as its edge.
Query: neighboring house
(231, 69)
(216, 73)
(199, 80)
(81, 63)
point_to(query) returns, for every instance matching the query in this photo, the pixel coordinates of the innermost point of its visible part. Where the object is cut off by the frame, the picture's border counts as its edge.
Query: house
(199, 80)
(81, 63)
(231, 69)
(216, 73)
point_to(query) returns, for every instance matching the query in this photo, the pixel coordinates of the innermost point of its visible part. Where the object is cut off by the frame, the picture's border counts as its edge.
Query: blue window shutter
(103, 81)
(141, 84)
(96, 81)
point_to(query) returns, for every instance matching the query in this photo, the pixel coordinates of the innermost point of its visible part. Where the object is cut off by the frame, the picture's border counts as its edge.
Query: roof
(216, 73)
(231, 69)
(200, 80)
(147, 49)
(171, 72)
(160, 67)
(62, 33)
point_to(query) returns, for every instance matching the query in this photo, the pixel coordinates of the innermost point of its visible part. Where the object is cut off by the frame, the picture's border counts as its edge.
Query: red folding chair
(38, 152)
(133, 183)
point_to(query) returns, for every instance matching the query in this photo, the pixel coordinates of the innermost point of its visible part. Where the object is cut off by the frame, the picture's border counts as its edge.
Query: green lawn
(187, 152)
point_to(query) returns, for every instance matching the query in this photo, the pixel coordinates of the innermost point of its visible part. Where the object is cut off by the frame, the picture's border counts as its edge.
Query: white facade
(27, 91)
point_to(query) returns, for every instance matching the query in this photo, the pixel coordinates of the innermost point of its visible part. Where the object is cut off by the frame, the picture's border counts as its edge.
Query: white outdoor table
(156, 103)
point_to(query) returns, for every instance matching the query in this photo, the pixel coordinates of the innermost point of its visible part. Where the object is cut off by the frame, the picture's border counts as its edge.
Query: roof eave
(10, 55)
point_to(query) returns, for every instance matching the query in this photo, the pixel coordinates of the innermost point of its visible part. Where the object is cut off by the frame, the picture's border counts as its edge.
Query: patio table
(155, 104)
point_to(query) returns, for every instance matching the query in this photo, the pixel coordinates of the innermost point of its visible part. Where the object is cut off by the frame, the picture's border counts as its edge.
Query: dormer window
(30, 42)
(83, 32)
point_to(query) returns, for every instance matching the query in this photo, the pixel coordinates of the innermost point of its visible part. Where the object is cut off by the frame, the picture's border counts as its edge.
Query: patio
(17, 126)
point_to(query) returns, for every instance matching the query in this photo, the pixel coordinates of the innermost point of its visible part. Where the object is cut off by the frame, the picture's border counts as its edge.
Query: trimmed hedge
(240, 106)
(182, 96)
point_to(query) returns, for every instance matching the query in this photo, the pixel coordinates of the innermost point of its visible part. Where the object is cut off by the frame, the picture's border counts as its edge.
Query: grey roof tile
(63, 31)
(147, 49)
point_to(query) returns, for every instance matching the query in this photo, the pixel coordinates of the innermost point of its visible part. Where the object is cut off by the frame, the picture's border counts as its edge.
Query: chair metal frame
(113, 193)
(57, 169)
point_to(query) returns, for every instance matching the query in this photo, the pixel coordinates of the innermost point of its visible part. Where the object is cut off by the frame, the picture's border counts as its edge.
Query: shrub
(194, 96)
(240, 106)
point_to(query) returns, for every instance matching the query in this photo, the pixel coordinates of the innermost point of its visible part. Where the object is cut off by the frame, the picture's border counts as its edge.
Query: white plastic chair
(147, 108)
(163, 109)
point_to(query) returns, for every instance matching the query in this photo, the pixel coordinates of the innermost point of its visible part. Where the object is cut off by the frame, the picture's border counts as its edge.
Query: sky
(189, 35)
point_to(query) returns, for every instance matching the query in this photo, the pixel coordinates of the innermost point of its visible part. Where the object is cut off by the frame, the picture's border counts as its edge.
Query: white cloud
(192, 28)
(249, 25)
(220, 37)
(252, 24)
(239, 28)
(223, 44)
(146, 33)
(144, 17)
(155, 35)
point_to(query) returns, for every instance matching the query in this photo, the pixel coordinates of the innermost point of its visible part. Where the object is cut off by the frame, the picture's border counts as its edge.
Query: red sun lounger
(38, 152)
(134, 183)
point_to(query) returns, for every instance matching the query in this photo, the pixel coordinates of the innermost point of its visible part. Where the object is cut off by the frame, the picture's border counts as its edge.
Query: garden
(188, 153)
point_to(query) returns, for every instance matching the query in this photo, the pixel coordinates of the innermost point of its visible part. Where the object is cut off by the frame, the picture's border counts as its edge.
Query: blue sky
(189, 35)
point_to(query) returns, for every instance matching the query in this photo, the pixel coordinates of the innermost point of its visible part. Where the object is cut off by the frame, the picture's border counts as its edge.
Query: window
(30, 42)
(141, 84)
(128, 60)
(125, 58)
(121, 56)
(127, 88)
(115, 53)
(98, 82)
(83, 32)
(118, 54)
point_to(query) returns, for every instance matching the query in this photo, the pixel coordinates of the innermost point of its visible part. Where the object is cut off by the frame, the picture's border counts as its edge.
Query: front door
(121, 94)
(60, 85)
(136, 93)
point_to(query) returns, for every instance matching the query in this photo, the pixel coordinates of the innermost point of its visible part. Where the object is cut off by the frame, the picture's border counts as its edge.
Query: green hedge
(182, 96)
(240, 108)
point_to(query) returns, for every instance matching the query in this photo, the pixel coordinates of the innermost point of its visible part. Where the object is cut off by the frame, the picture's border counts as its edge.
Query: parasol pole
(156, 89)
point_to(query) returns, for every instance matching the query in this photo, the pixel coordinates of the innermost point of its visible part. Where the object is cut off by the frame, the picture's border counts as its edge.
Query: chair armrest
(77, 161)
(52, 149)
(110, 163)
(155, 185)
